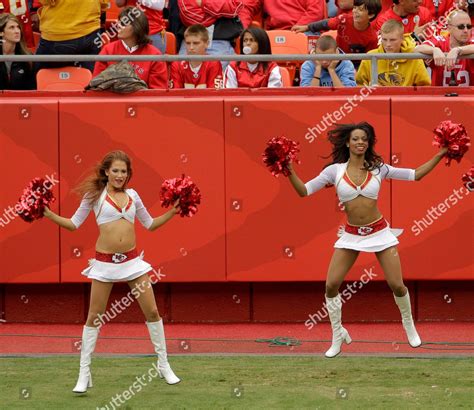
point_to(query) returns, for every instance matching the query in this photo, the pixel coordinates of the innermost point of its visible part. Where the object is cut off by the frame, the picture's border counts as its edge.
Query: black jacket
(21, 76)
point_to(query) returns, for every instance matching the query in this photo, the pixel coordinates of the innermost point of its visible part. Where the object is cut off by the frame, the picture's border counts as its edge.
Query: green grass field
(244, 382)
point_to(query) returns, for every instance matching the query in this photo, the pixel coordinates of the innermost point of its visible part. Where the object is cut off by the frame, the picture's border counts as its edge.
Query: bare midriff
(362, 211)
(116, 237)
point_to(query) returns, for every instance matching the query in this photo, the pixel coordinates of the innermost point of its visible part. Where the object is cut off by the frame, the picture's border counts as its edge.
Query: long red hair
(94, 184)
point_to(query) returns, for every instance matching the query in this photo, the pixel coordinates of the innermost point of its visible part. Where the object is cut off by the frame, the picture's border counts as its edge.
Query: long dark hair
(339, 137)
(94, 184)
(139, 22)
(263, 41)
(20, 48)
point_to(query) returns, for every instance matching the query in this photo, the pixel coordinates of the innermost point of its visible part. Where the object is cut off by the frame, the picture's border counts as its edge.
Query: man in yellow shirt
(394, 72)
(70, 27)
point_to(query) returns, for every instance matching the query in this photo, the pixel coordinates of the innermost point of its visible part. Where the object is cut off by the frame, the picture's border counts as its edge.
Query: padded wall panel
(28, 149)
(437, 212)
(272, 234)
(164, 138)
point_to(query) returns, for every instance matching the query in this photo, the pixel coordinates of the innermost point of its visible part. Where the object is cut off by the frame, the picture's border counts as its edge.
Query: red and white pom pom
(279, 153)
(454, 136)
(468, 179)
(185, 190)
(33, 200)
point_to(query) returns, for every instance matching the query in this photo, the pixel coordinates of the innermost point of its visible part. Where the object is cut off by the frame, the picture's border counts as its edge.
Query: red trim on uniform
(367, 180)
(349, 181)
(114, 204)
(366, 229)
(111, 202)
(130, 201)
(117, 257)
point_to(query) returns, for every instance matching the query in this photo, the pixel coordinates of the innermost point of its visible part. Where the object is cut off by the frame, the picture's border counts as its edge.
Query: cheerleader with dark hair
(357, 172)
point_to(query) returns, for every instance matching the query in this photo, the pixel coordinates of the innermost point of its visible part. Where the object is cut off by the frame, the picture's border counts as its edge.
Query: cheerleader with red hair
(115, 207)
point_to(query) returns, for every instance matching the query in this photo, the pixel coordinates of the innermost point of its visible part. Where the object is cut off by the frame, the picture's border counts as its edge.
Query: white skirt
(117, 272)
(375, 242)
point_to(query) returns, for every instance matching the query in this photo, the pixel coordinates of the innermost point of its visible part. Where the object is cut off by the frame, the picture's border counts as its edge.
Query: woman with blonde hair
(117, 260)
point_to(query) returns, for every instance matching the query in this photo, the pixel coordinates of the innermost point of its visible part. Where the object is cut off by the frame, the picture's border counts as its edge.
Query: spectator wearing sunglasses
(449, 69)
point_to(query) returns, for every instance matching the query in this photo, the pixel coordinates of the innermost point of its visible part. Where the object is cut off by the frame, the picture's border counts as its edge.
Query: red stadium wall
(251, 232)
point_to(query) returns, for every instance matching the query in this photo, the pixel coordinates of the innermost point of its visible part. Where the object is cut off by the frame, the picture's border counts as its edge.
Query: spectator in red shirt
(253, 74)
(438, 8)
(20, 9)
(355, 33)
(196, 74)
(133, 39)
(153, 10)
(252, 9)
(220, 17)
(342, 6)
(284, 14)
(448, 69)
(414, 17)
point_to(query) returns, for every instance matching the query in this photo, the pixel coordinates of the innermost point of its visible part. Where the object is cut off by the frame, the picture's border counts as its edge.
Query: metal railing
(373, 57)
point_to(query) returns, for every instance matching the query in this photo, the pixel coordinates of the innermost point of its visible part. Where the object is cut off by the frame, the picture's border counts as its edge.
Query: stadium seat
(170, 43)
(63, 79)
(288, 42)
(285, 77)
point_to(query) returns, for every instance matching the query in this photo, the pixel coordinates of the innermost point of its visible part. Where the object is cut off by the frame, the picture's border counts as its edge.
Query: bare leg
(100, 292)
(147, 302)
(146, 298)
(390, 262)
(341, 262)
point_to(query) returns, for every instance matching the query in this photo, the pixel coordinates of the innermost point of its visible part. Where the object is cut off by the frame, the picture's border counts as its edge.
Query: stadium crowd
(441, 29)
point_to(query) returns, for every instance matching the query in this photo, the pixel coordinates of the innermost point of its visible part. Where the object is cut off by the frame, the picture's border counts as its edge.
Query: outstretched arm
(427, 167)
(162, 219)
(59, 220)
(297, 182)
(327, 176)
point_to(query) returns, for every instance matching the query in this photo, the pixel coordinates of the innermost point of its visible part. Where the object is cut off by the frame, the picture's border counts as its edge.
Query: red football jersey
(463, 70)
(208, 76)
(409, 22)
(155, 17)
(19, 8)
(351, 40)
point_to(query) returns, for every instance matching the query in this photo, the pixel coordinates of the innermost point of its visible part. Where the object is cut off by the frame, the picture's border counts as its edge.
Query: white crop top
(336, 174)
(106, 210)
